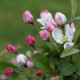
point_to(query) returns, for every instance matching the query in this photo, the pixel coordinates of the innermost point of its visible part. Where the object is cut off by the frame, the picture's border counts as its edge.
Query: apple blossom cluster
(53, 25)
(56, 27)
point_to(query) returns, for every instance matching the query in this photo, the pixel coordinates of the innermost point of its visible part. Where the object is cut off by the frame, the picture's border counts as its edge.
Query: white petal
(69, 33)
(57, 35)
(43, 28)
(46, 15)
(42, 21)
(68, 43)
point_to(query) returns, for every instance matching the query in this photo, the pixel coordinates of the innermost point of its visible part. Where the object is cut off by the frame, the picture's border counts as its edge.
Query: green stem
(36, 27)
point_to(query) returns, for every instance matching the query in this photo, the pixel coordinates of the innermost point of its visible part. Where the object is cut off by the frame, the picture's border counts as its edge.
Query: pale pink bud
(30, 64)
(73, 27)
(50, 25)
(35, 52)
(27, 17)
(8, 71)
(44, 34)
(21, 59)
(3, 77)
(60, 18)
(28, 53)
(30, 40)
(53, 78)
(10, 48)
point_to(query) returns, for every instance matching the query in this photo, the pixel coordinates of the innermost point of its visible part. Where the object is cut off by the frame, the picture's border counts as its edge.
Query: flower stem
(35, 48)
(36, 27)
(77, 74)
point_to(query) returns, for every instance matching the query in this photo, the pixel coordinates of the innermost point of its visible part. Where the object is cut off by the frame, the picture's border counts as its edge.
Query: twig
(77, 74)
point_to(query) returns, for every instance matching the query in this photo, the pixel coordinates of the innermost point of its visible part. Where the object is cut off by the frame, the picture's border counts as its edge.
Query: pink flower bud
(21, 59)
(53, 78)
(30, 40)
(30, 64)
(8, 71)
(39, 73)
(10, 48)
(3, 77)
(73, 27)
(44, 12)
(35, 52)
(60, 18)
(50, 25)
(44, 34)
(27, 17)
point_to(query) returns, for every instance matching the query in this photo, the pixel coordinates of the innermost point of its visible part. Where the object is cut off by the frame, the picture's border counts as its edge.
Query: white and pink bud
(44, 12)
(73, 27)
(60, 18)
(2, 77)
(35, 52)
(28, 53)
(53, 78)
(30, 64)
(21, 60)
(10, 48)
(50, 25)
(8, 71)
(44, 34)
(30, 40)
(27, 17)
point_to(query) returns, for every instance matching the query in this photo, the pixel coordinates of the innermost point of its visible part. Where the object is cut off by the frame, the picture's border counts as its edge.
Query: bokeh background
(12, 28)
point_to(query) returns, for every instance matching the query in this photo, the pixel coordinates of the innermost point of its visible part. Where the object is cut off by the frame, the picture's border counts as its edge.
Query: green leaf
(77, 34)
(54, 44)
(69, 51)
(60, 78)
(66, 68)
(4, 52)
(44, 48)
(74, 7)
(41, 61)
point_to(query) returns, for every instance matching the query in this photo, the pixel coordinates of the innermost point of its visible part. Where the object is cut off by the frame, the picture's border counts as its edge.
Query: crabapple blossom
(35, 52)
(43, 12)
(21, 59)
(30, 40)
(27, 17)
(8, 71)
(44, 17)
(3, 77)
(30, 64)
(73, 27)
(28, 53)
(44, 34)
(53, 78)
(50, 25)
(60, 18)
(10, 48)
(63, 39)
(39, 73)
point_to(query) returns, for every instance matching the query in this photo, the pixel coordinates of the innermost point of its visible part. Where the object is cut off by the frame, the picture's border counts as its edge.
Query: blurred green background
(12, 28)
